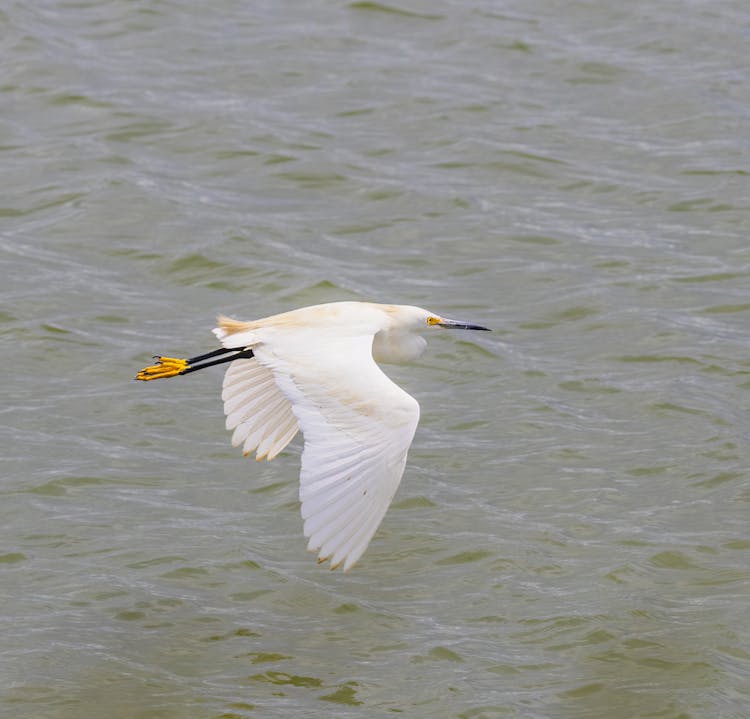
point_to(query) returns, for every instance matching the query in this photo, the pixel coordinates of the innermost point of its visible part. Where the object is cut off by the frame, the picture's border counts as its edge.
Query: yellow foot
(164, 367)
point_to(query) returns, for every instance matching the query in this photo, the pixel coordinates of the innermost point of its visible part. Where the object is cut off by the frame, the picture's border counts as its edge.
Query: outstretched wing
(358, 426)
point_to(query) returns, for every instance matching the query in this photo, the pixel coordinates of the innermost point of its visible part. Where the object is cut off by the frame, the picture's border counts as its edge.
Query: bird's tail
(234, 333)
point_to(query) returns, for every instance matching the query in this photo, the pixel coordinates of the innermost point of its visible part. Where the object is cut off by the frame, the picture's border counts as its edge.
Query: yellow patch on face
(434, 320)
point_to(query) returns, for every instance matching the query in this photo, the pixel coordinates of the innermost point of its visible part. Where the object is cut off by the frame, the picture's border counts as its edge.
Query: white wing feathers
(259, 414)
(357, 424)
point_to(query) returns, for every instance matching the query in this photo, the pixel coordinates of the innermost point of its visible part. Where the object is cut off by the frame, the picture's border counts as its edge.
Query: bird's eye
(433, 320)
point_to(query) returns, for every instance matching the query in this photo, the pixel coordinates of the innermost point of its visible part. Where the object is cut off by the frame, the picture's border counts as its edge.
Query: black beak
(456, 325)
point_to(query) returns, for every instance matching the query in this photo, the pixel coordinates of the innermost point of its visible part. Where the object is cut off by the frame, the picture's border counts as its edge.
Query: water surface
(571, 535)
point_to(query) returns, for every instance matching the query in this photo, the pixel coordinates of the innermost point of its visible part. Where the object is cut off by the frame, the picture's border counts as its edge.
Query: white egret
(314, 369)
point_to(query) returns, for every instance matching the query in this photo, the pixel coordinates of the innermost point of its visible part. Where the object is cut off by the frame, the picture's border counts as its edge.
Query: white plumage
(313, 369)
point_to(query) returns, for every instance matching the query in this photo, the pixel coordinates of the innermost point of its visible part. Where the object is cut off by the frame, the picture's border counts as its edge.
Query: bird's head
(405, 318)
(401, 340)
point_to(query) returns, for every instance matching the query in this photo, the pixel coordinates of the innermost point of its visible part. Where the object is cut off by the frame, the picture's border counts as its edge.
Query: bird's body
(314, 369)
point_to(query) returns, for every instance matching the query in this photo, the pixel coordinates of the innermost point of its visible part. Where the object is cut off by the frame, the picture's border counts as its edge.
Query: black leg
(172, 366)
(215, 353)
(240, 354)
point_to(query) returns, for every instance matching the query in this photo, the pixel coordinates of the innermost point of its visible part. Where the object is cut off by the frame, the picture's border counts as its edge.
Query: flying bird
(315, 369)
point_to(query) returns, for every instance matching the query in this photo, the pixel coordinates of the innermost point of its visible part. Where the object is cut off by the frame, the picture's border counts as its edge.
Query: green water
(570, 539)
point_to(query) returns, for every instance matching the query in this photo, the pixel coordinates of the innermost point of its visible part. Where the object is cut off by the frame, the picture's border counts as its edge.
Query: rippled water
(571, 535)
